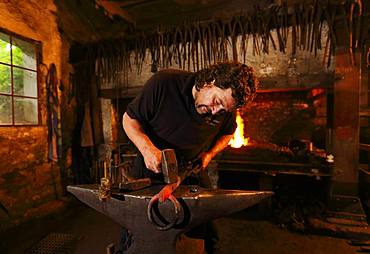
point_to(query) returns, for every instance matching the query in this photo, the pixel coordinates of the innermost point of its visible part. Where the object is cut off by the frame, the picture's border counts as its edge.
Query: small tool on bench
(169, 169)
(131, 184)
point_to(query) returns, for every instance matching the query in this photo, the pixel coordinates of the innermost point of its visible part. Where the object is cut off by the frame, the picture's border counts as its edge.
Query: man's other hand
(152, 159)
(206, 158)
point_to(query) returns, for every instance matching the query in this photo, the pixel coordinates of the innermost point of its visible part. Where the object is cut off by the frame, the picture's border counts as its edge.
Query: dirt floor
(243, 232)
(242, 235)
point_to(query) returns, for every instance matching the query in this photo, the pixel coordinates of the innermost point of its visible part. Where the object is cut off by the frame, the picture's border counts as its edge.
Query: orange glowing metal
(238, 139)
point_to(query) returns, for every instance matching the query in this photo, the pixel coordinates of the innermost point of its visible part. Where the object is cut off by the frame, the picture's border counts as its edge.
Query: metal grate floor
(55, 243)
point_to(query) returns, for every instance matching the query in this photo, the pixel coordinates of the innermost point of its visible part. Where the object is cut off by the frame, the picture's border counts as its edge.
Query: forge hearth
(286, 132)
(272, 159)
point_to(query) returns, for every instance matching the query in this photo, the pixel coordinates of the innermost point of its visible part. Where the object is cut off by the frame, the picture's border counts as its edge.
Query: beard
(207, 116)
(211, 119)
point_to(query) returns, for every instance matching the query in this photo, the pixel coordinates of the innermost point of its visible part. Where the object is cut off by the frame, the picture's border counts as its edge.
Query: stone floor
(240, 233)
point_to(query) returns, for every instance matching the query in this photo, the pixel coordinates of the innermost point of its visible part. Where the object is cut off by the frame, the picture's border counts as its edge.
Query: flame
(238, 139)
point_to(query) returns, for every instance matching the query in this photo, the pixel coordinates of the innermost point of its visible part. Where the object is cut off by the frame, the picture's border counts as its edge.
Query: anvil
(197, 206)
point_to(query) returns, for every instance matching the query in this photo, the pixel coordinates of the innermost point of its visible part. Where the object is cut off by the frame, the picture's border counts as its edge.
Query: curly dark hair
(239, 77)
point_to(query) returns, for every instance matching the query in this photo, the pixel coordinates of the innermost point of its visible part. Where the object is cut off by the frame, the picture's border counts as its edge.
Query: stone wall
(279, 117)
(27, 179)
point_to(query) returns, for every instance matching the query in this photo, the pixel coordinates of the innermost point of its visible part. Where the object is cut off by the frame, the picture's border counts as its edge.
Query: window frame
(38, 55)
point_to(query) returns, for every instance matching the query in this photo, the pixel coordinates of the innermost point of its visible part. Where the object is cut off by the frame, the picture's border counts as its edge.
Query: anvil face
(198, 206)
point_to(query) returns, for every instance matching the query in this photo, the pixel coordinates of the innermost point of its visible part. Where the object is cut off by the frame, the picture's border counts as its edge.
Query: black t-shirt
(167, 113)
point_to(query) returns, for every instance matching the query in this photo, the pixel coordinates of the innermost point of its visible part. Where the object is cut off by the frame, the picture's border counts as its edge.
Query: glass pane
(5, 110)
(23, 54)
(25, 82)
(4, 48)
(25, 111)
(5, 83)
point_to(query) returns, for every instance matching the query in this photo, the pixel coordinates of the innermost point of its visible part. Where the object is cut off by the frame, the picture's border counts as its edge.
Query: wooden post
(346, 123)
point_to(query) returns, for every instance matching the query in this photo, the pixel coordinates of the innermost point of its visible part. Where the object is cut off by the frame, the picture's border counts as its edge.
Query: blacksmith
(193, 113)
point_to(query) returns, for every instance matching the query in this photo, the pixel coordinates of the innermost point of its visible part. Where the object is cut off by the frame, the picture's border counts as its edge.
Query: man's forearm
(136, 134)
(220, 145)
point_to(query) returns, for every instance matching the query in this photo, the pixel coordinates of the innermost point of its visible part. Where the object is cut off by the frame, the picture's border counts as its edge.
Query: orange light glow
(238, 139)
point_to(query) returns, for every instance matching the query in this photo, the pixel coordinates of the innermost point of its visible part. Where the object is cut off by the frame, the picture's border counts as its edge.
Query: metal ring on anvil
(178, 209)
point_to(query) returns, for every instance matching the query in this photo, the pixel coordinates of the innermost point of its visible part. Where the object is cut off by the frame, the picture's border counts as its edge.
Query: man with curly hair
(193, 113)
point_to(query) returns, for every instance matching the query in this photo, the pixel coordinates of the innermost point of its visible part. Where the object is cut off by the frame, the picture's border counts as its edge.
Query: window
(18, 81)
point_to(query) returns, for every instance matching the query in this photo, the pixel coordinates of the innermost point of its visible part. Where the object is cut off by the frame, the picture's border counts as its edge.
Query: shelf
(276, 172)
(365, 112)
(304, 82)
(365, 168)
(274, 168)
(365, 147)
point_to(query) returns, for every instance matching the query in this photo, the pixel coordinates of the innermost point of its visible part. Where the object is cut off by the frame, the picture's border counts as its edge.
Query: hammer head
(169, 166)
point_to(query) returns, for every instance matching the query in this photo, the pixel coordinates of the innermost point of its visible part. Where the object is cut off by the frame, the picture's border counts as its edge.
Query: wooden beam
(276, 84)
(113, 8)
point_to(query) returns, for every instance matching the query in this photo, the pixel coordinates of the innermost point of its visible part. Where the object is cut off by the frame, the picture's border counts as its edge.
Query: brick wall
(279, 117)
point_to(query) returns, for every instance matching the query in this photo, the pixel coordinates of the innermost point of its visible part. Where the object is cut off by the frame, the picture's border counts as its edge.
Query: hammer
(171, 174)
(169, 166)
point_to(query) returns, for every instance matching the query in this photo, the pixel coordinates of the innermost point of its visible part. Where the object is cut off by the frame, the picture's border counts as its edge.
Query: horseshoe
(178, 209)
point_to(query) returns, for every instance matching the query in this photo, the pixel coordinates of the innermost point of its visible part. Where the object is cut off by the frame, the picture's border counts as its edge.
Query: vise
(195, 206)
